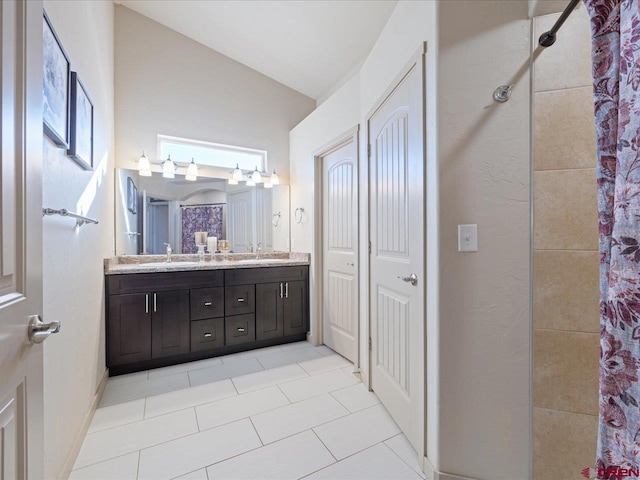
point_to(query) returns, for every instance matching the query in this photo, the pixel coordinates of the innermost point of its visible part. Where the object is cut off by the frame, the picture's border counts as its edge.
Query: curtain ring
(275, 219)
(298, 218)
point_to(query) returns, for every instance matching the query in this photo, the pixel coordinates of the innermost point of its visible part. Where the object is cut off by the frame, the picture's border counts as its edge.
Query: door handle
(240, 300)
(155, 303)
(286, 290)
(39, 331)
(240, 329)
(281, 294)
(207, 335)
(412, 279)
(207, 304)
(146, 303)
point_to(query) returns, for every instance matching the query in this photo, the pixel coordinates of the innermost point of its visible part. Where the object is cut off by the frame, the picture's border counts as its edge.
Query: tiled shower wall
(565, 279)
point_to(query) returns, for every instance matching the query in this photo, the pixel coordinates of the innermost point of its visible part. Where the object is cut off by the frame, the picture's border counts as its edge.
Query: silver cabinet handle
(146, 303)
(155, 303)
(281, 294)
(286, 290)
(207, 304)
(412, 279)
(38, 331)
(207, 335)
(240, 300)
(240, 329)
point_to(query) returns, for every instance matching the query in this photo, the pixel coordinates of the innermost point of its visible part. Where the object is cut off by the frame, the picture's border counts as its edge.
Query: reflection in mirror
(173, 210)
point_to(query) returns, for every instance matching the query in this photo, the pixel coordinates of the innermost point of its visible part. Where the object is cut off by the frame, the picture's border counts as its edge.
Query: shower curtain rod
(201, 205)
(549, 38)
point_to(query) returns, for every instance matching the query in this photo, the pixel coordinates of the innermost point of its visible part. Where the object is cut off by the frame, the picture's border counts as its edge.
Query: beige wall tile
(567, 63)
(566, 290)
(565, 210)
(565, 370)
(564, 129)
(563, 444)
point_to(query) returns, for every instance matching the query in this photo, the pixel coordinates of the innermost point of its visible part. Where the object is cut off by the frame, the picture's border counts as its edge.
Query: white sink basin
(263, 260)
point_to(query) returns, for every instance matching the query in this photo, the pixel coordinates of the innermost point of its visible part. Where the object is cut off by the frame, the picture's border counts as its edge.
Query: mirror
(152, 211)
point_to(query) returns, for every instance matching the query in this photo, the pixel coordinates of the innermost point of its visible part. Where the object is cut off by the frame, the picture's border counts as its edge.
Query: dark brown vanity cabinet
(159, 319)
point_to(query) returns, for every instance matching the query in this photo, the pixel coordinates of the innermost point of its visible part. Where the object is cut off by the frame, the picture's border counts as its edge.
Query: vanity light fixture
(233, 181)
(256, 177)
(144, 166)
(192, 171)
(268, 185)
(168, 168)
(250, 182)
(274, 179)
(237, 174)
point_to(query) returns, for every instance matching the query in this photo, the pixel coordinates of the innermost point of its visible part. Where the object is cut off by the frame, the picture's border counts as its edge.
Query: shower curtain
(206, 218)
(615, 27)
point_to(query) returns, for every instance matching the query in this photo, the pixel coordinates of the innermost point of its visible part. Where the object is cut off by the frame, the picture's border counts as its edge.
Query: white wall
(484, 163)
(74, 360)
(169, 84)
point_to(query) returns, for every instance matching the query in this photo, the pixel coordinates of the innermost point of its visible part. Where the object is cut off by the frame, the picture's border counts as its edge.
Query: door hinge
(369, 343)
(369, 150)
(369, 247)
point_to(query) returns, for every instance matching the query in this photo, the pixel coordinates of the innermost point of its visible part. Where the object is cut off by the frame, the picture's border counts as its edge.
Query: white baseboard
(82, 433)
(433, 474)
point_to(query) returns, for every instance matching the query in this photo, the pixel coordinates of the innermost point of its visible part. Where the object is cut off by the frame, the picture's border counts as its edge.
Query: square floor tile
(324, 364)
(129, 438)
(120, 468)
(356, 398)
(295, 418)
(116, 415)
(191, 453)
(278, 359)
(377, 462)
(184, 367)
(266, 378)
(220, 372)
(188, 397)
(360, 430)
(317, 385)
(235, 408)
(403, 448)
(291, 458)
(125, 392)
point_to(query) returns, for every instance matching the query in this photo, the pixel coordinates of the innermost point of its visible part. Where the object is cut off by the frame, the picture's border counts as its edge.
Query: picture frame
(81, 132)
(132, 196)
(56, 85)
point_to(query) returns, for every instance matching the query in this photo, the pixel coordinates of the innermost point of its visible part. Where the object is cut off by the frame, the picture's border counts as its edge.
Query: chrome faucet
(168, 245)
(258, 250)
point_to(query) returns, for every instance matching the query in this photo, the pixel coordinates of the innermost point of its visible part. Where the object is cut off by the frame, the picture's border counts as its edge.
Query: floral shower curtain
(615, 27)
(206, 218)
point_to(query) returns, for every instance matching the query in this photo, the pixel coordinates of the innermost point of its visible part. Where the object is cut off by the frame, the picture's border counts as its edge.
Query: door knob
(412, 279)
(39, 331)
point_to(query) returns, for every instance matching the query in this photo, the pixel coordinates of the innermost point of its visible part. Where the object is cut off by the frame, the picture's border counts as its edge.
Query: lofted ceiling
(308, 45)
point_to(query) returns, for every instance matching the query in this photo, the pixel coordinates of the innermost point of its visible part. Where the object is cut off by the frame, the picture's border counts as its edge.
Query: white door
(240, 220)
(21, 403)
(397, 226)
(339, 244)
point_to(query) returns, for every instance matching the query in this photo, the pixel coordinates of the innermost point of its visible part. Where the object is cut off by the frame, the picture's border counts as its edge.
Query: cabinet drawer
(241, 276)
(207, 334)
(207, 303)
(240, 329)
(155, 282)
(239, 300)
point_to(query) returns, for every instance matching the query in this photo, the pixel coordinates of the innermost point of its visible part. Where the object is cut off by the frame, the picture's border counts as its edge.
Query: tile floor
(286, 412)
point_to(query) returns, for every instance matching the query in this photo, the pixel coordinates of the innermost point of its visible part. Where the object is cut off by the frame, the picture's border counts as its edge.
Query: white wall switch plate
(467, 238)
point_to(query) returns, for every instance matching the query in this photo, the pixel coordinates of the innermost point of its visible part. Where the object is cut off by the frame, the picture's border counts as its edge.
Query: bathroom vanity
(160, 313)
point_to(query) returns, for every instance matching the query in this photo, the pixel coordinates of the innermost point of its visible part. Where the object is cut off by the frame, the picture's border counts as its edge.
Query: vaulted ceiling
(308, 45)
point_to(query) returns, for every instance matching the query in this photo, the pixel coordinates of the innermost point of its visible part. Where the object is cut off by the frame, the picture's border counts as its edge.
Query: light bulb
(256, 177)
(237, 174)
(168, 168)
(144, 167)
(274, 178)
(192, 171)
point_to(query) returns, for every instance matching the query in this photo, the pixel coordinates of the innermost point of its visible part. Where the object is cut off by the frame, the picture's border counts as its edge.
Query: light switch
(467, 238)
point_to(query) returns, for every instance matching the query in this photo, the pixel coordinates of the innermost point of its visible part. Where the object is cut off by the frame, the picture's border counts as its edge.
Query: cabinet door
(170, 323)
(269, 314)
(129, 325)
(295, 308)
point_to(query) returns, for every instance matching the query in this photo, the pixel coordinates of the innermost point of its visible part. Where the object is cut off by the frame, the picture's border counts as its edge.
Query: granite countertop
(125, 264)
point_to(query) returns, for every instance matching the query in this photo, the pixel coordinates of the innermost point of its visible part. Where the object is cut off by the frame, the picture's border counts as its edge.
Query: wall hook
(298, 217)
(502, 94)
